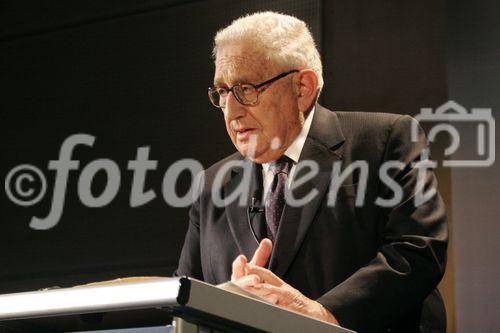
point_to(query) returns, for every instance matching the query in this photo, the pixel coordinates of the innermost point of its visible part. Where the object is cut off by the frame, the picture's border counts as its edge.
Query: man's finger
(265, 274)
(238, 267)
(263, 252)
(248, 281)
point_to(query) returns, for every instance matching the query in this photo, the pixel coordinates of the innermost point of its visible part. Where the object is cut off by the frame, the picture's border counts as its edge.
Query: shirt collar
(294, 150)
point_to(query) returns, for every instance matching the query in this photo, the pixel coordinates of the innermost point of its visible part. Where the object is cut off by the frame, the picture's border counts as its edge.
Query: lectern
(195, 306)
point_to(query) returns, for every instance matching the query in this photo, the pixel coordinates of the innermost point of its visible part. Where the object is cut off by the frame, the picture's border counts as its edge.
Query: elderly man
(368, 267)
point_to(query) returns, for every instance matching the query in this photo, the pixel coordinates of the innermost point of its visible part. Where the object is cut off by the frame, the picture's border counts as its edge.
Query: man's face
(276, 116)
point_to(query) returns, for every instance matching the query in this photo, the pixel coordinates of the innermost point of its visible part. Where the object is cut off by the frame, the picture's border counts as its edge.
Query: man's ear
(307, 91)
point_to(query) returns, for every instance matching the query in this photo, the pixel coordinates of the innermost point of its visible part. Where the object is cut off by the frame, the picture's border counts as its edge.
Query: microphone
(253, 208)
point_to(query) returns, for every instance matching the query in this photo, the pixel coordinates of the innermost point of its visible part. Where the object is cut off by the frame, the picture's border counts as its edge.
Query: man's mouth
(244, 133)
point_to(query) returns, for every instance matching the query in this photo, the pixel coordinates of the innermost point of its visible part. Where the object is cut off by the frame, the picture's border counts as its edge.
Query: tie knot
(281, 165)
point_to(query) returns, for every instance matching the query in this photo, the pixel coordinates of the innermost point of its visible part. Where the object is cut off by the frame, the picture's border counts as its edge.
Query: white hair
(283, 39)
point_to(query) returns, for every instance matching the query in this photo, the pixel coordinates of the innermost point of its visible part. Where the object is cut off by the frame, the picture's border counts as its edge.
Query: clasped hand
(254, 278)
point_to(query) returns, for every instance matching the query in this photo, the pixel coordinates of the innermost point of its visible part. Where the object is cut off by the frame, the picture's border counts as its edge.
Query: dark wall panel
(133, 74)
(384, 56)
(474, 81)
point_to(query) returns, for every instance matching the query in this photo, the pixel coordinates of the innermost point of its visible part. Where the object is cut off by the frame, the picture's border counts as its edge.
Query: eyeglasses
(245, 93)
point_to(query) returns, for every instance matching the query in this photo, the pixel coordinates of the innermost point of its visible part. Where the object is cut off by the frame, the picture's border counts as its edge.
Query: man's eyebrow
(240, 79)
(219, 83)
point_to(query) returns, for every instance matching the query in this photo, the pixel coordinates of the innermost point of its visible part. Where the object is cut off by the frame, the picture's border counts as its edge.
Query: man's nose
(234, 109)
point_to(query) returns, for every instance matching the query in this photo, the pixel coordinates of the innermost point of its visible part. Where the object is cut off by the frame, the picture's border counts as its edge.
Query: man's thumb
(263, 252)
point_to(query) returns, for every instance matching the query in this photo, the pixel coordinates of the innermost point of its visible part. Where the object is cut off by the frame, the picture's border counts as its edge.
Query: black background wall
(134, 74)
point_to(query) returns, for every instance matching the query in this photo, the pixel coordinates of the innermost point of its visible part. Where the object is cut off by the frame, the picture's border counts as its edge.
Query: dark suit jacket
(375, 268)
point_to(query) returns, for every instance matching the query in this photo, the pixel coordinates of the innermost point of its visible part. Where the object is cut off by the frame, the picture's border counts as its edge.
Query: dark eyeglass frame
(213, 90)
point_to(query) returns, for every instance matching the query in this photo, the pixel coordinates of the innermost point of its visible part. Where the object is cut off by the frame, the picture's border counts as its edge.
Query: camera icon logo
(448, 118)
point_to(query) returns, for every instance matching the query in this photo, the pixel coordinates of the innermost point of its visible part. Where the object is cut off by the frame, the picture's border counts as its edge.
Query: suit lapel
(322, 146)
(236, 211)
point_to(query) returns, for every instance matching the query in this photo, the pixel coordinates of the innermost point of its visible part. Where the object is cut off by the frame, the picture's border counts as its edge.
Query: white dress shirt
(292, 152)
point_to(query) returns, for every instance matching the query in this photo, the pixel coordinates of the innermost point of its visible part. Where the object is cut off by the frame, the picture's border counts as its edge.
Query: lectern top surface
(108, 296)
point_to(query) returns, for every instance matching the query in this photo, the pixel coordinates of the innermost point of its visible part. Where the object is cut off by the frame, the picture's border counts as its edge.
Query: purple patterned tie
(275, 200)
